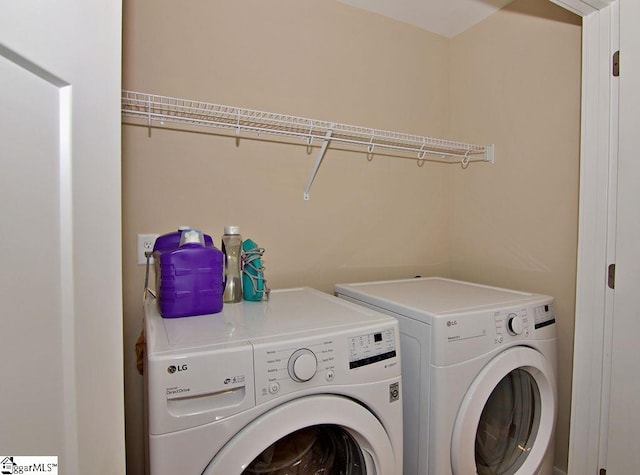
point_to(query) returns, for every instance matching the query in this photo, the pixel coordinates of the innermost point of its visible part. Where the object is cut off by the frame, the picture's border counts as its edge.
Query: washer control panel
(302, 366)
(371, 348)
(283, 367)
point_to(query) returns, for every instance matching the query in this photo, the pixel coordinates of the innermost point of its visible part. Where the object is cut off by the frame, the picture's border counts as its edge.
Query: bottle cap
(191, 236)
(232, 230)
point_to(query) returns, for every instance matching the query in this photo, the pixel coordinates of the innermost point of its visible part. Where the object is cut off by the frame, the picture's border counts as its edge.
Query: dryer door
(506, 420)
(315, 434)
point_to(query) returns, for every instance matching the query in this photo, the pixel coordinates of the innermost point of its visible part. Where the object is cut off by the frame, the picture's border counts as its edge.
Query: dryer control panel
(514, 323)
(544, 315)
(458, 337)
(511, 323)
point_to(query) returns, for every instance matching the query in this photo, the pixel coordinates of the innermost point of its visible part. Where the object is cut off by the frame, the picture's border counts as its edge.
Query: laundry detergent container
(189, 277)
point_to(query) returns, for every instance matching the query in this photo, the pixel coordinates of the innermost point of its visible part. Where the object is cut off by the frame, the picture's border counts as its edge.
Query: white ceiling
(444, 17)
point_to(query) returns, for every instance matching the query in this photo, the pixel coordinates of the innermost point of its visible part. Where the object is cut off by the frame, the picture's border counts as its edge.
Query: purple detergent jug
(189, 274)
(170, 241)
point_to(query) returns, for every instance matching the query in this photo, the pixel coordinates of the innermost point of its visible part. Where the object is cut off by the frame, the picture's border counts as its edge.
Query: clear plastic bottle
(231, 247)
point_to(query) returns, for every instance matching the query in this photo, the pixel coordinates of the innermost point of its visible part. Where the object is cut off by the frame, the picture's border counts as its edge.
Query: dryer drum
(316, 450)
(508, 424)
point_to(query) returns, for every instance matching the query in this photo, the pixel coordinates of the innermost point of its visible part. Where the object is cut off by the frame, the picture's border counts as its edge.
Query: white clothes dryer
(303, 383)
(479, 374)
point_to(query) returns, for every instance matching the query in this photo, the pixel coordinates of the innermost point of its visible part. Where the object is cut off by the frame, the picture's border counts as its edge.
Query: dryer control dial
(515, 324)
(302, 365)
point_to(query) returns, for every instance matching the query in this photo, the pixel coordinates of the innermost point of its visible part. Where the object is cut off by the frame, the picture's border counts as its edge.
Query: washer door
(506, 420)
(315, 434)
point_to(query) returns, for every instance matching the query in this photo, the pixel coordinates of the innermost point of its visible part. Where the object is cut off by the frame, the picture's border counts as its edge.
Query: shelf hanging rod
(169, 109)
(202, 114)
(312, 135)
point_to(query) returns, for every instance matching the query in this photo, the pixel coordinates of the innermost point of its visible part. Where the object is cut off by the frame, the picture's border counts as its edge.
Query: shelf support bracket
(489, 154)
(149, 116)
(323, 149)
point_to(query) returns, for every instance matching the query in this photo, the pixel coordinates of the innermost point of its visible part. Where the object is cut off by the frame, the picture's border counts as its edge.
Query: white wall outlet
(145, 243)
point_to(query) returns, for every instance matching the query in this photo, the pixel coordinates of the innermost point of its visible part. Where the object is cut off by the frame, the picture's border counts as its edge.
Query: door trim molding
(583, 7)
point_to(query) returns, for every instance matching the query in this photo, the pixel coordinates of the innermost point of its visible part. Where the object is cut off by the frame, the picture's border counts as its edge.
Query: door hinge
(611, 276)
(616, 64)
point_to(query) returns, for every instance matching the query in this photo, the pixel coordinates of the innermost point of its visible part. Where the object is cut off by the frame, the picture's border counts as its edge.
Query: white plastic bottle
(231, 247)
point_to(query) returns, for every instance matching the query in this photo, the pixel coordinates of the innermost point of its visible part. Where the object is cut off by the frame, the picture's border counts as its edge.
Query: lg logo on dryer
(173, 368)
(451, 323)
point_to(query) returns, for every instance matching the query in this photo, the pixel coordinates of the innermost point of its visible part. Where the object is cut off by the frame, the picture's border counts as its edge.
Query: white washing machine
(304, 383)
(478, 372)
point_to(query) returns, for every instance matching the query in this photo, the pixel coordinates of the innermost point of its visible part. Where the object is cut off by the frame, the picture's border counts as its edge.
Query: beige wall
(515, 80)
(384, 218)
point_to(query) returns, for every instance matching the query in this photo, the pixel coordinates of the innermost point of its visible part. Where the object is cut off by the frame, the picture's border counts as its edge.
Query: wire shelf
(162, 109)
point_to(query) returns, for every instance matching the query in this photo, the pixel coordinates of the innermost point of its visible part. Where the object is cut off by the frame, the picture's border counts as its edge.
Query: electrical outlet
(145, 243)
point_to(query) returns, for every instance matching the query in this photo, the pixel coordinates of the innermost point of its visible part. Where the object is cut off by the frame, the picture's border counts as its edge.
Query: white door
(316, 434)
(506, 422)
(623, 431)
(605, 430)
(60, 282)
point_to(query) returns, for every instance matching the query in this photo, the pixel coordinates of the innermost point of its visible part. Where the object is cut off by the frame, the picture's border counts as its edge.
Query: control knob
(515, 324)
(302, 365)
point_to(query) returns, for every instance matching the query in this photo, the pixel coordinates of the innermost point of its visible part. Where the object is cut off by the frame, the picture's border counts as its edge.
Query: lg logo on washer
(173, 368)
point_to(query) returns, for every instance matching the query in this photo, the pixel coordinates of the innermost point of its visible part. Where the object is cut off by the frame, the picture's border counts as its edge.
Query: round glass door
(313, 435)
(508, 425)
(506, 421)
(317, 450)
